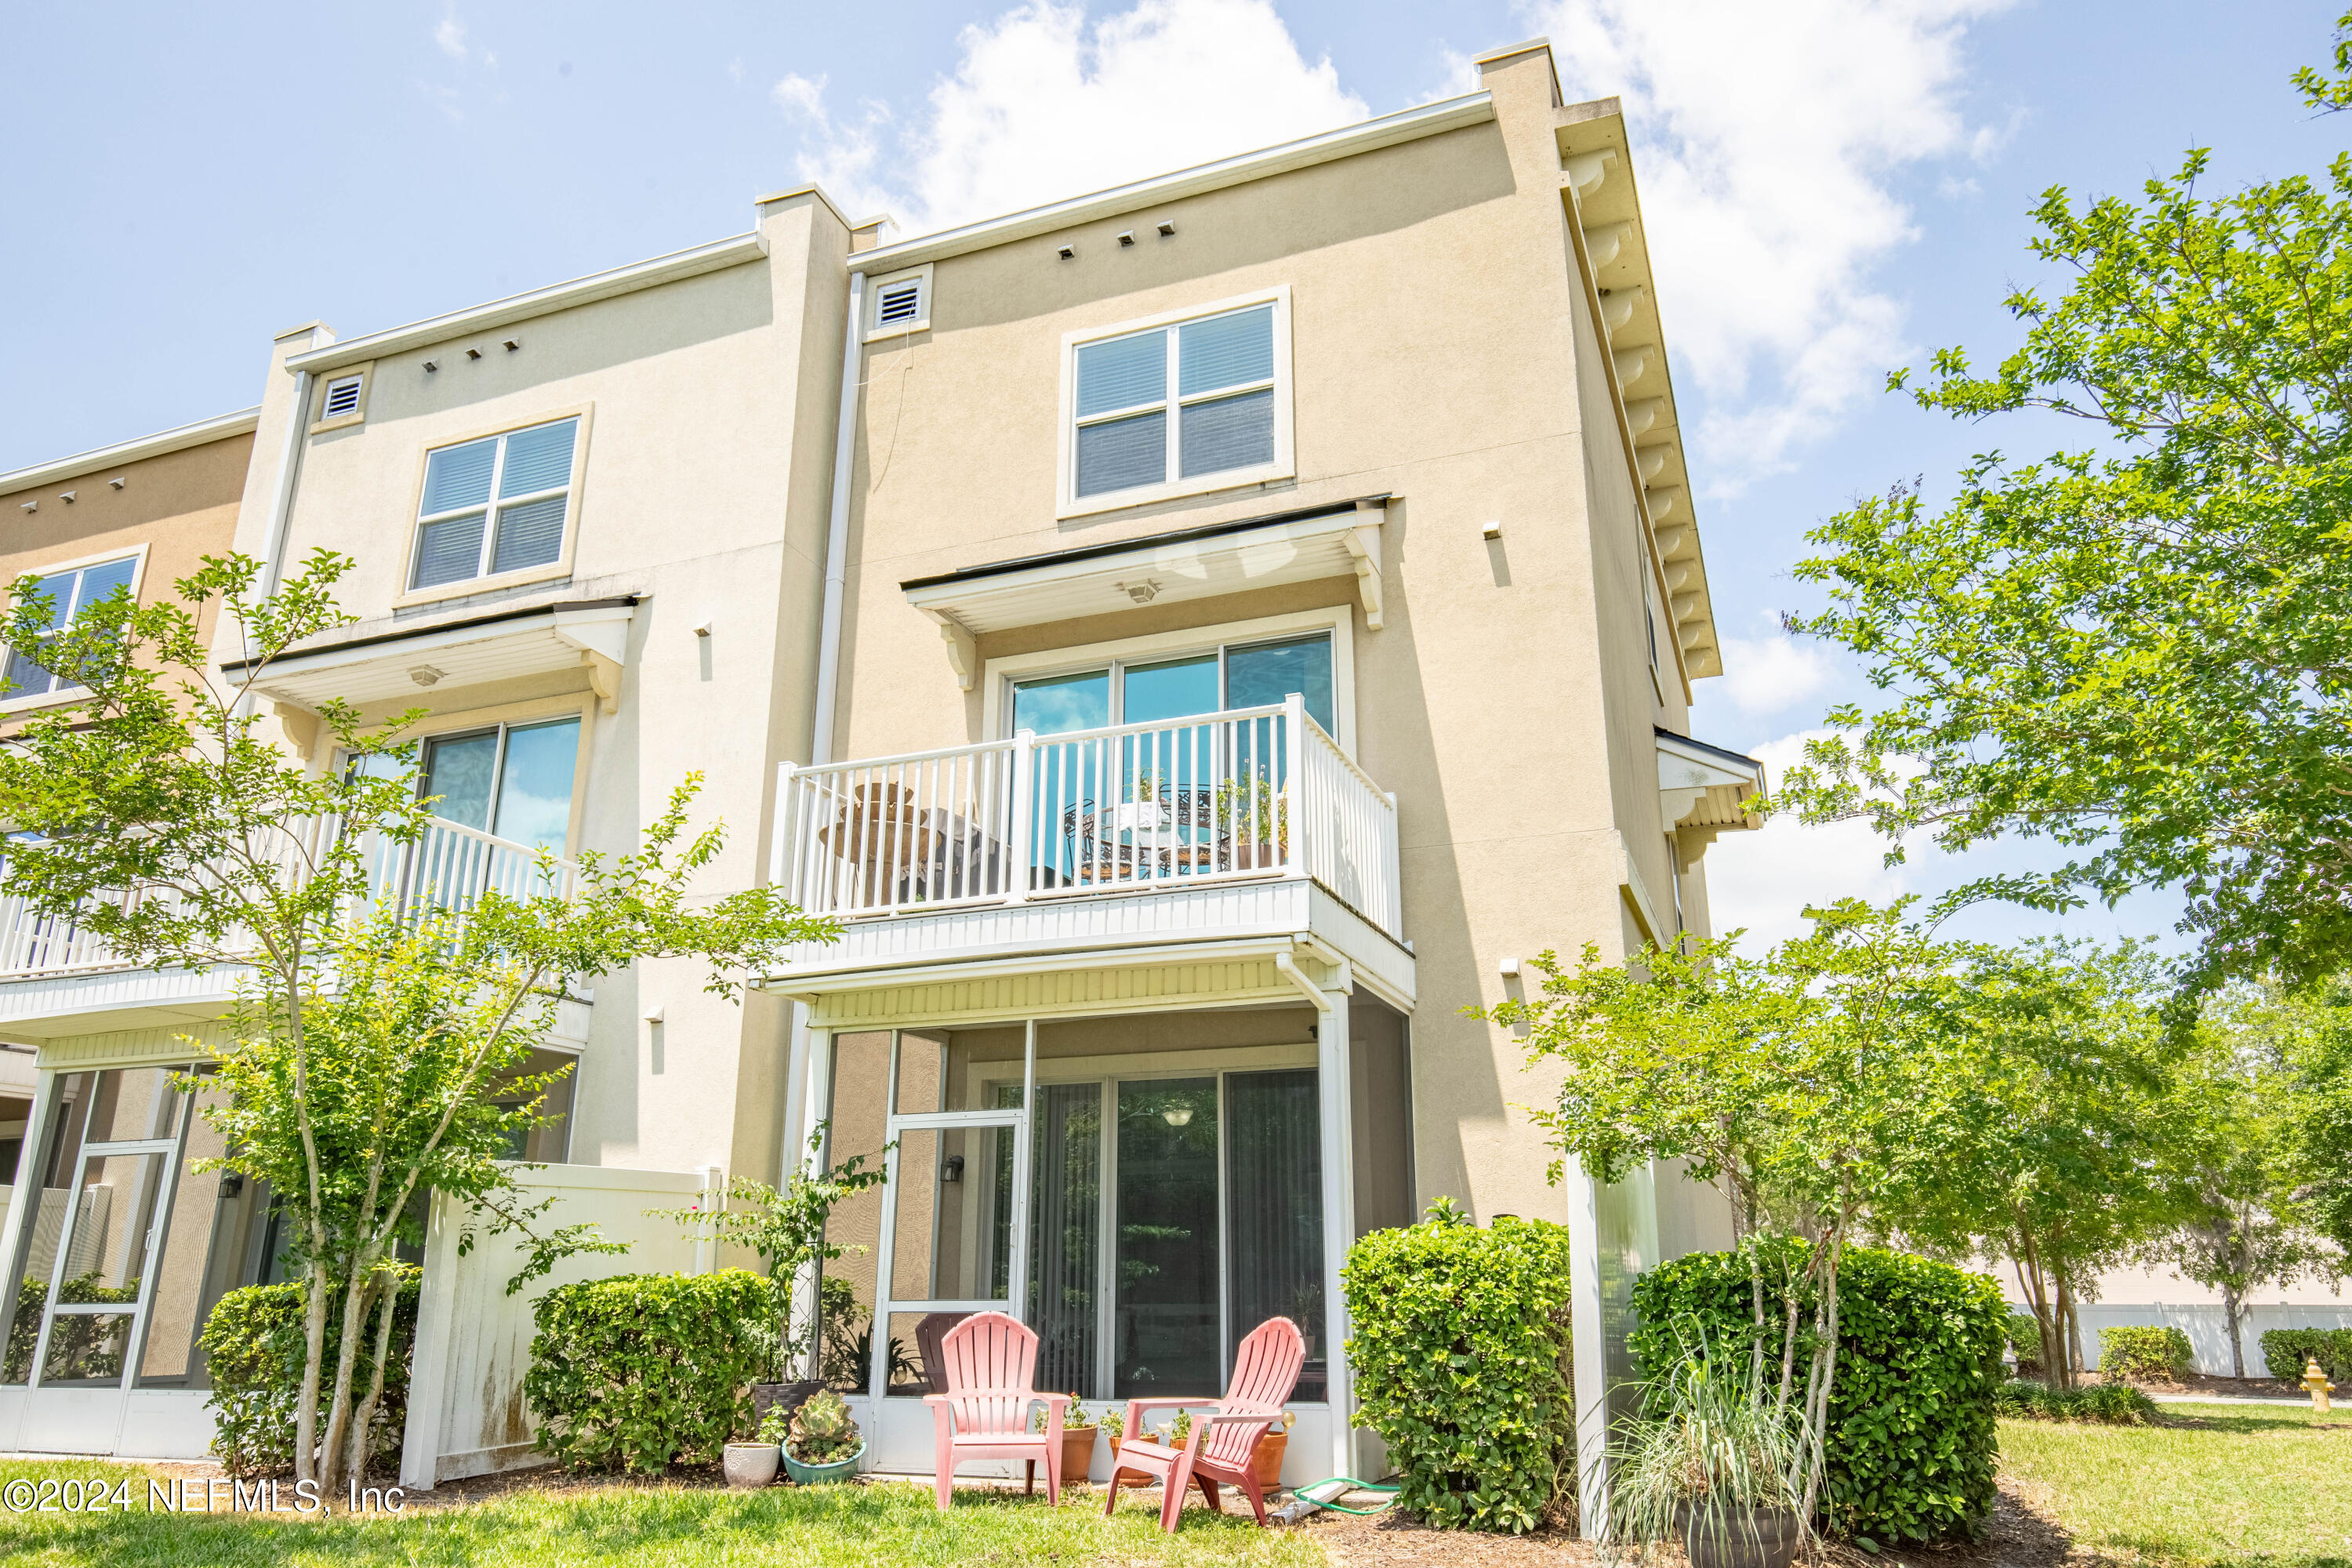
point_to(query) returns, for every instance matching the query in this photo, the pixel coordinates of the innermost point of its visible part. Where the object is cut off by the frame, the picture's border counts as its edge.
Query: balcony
(59, 978)
(1165, 841)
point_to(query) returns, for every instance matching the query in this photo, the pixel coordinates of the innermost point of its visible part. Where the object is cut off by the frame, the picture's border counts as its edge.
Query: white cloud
(1768, 139)
(450, 35)
(1763, 880)
(1046, 102)
(1771, 674)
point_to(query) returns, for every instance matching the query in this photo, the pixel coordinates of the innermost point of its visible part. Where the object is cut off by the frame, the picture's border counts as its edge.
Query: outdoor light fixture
(1177, 1116)
(425, 675)
(951, 1168)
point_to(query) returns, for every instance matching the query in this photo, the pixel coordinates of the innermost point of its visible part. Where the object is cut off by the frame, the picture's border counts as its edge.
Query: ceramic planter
(1763, 1538)
(1077, 1453)
(817, 1474)
(750, 1464)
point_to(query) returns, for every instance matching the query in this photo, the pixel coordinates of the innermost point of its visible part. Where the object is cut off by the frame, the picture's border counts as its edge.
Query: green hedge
(1911, 1442)
(2024, 1332)
(2285, 1351)
(641, 1371)
(2143, 1350)
(254, 1345)
(1460, 1347)
(2114, 1404)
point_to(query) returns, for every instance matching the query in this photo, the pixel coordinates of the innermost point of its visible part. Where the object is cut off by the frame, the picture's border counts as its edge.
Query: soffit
(593, 633)
(1701, 786)
(1601, 198)
(123, 453)
(1195, 563)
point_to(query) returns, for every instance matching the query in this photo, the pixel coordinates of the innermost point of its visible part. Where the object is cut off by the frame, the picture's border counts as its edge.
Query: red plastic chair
(988, 1362)
(1223, 1446)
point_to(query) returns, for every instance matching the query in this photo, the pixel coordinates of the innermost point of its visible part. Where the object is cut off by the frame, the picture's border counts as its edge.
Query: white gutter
(175, 440)
(731, 252)
(836, 540)
(1428, 120)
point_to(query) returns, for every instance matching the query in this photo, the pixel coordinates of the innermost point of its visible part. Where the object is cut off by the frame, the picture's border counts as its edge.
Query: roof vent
(901, 304)
(343, 397)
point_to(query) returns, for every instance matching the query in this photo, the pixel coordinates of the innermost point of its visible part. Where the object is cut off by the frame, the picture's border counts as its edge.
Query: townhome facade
(133, 517)
(1273, 611)
(585, 528)
(1199, 638)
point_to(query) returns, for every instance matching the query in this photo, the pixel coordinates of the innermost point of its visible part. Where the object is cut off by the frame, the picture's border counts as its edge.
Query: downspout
(836, 542)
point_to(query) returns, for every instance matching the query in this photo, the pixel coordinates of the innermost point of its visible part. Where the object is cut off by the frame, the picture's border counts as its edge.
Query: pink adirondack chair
(989, 1362)
(1221, 1447)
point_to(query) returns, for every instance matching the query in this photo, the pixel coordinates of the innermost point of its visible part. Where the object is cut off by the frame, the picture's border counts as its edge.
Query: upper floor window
(70, 591)
(496, 505)
(1179, 405)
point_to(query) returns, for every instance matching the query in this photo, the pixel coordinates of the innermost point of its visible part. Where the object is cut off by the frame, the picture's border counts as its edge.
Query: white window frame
(877, 333)
(488, 581)
(506, 716)
(1069, 503)
(137, 556)
(1159, 647)
(364, 373)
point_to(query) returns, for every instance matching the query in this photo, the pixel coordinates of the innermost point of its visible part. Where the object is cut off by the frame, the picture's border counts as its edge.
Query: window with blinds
(70, 592)
(1176, 403)
(496, 505)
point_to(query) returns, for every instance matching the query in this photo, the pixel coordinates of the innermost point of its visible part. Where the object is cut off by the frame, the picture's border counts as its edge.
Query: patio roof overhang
(1705, 788)
(1340, 540)
(593, 633)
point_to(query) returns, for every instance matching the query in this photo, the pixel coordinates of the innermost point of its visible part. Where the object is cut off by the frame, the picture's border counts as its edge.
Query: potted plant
(1271, 1444)
(752, 1461)
(822, 1443)
(1713, 1463)
(1113, 1425)
(1255, 820)
(1077, 1438)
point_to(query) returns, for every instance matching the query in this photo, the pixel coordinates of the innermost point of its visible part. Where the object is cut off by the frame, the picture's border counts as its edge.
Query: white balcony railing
(451, 866)
(1245, 793)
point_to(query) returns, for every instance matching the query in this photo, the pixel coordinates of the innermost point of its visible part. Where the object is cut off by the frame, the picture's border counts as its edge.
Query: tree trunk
(2069, 1350)
(314, 1354)
(347, 1355)
(1823, 1377)
(363, 1420)
(1756, 1305)
(2234, 1308)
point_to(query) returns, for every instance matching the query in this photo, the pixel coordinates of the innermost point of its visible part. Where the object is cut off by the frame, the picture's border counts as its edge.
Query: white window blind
(1175, 403)
(496, 505)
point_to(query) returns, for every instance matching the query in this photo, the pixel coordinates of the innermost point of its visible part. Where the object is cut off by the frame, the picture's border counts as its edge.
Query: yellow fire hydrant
(2316, 1380)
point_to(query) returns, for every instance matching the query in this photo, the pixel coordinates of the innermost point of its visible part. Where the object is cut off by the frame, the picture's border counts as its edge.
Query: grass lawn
(839, 1527)
(2218, 1484)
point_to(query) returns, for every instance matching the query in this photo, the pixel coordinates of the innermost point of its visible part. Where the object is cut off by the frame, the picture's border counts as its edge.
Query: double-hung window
(1178, 407)
(495, 506)
(69, 592)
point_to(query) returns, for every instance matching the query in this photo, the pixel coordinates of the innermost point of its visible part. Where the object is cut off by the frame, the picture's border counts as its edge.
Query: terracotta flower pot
(1268, 1457)
(1131, 1478)
(1077, 1453)
(750, 1464)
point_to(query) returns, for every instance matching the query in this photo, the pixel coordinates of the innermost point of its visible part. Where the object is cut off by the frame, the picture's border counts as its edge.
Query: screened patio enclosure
(1143, 1189)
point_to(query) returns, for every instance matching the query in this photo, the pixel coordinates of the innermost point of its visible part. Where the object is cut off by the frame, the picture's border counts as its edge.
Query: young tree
(2135, 651)
(161, 819)
(2055, 1162)
(1818, 1083)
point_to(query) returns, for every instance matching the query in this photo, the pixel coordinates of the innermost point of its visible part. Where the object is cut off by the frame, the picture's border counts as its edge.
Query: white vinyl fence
(467, 1413)
(2208, 1329)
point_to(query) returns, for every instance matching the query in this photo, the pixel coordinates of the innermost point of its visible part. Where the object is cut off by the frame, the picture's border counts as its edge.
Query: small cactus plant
(823, 1430)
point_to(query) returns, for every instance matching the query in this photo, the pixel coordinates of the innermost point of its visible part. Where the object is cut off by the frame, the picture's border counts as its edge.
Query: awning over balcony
(1335, 541)
(1707, 787)
(593, 633)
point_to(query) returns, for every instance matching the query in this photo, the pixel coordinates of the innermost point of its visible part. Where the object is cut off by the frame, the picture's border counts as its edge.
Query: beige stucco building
(1200, 638)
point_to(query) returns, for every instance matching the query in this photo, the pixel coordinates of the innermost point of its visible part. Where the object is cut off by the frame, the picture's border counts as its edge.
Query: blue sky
(1843, 184)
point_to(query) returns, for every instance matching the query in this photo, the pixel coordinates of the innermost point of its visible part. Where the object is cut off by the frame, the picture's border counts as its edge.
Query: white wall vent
(902, 303)
(343, 397)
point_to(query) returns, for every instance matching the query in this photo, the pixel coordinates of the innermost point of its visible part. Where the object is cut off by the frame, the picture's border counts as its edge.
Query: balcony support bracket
(963, 649)
(603, 639)
(1363, 542)
(1289, 968)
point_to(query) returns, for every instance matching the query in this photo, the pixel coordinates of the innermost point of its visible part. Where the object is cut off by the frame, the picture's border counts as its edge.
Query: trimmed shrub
(1910, 1447)
(640, 1371)
(253, 1346)
(1460, 1347)
(2113, 1404)
(2141, 1351)
(80, 1346)
(2285, 1351)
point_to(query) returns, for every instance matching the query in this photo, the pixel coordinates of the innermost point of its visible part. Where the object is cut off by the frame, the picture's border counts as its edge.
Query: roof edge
(462, 623)
(1127, 546)
(1366, 136)
(176, 440)
(733, 251)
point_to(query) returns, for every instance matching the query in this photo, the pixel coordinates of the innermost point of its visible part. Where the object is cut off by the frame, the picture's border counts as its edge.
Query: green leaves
(1460, 1347)
(640, 1371)
(2139, 650)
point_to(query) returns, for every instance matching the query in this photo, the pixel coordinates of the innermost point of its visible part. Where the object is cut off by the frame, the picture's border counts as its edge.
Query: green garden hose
(1301, 1503)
